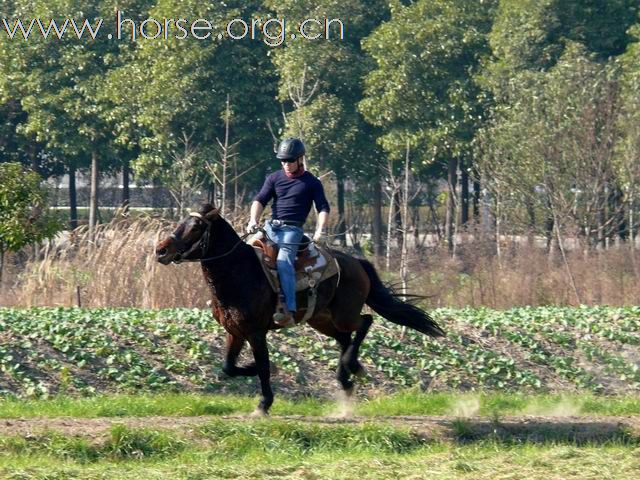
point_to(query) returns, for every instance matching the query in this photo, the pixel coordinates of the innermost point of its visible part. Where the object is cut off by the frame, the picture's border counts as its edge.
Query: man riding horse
(242, 297)
(293, 190)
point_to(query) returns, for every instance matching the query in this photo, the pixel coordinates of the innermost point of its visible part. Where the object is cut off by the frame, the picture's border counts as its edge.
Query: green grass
(182, 405)
(492, 404)
(484, 461)
(123, 443)
(409, 402)
(277, 448)
(296, 439)
(230, 440)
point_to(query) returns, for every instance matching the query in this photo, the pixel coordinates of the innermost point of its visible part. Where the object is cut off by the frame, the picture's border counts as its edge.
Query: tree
(57, 81)
(532, 35)
(423, 94)
(180, 87)
(626, 163)
(556, 90)
(553, 147)
(23, 216)
(320, 86)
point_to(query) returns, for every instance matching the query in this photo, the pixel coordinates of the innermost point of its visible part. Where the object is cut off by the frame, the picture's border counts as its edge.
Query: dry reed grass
(118, 269)
(526, 275)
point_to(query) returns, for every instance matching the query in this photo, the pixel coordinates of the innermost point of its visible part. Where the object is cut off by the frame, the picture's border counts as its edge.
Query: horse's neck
(227, 252)
(234, 278)
(222, 240)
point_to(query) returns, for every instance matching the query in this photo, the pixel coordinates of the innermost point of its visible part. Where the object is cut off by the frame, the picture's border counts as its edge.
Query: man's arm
(322, 205)
(321, 227)
(260, 200)
(256, 213)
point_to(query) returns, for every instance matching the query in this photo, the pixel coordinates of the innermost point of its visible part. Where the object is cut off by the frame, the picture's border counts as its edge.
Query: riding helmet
(290, 149)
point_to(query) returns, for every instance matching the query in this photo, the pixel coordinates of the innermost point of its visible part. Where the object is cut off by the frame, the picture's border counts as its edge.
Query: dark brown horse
(244, 302)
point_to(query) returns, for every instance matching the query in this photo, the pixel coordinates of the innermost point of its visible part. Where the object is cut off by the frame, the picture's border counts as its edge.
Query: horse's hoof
(345, 404)
(355, 368)
(284, 320)
(359, 372)
(258, 413)
(348, 391)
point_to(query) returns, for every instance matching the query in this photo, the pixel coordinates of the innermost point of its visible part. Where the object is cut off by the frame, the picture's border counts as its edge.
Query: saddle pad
(324, 267)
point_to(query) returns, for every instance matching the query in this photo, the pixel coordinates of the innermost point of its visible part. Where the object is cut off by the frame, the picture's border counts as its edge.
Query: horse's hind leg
(343, 375)
(324, 325)
(233, 347)
(349, 358)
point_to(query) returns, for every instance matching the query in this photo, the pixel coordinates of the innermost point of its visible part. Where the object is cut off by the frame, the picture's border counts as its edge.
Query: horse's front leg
(233, 347)
(261, 356)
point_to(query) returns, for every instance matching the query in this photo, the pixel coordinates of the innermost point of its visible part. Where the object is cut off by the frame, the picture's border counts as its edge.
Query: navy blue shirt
(292, 197)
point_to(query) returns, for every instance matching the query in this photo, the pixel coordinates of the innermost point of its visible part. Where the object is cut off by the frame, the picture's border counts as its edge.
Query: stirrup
(284, 319)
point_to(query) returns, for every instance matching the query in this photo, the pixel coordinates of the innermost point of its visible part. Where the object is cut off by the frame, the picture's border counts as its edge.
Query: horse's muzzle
(164, 256)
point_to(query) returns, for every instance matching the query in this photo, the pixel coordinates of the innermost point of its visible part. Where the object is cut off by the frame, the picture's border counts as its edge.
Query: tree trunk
(93, 200)
(376, 224)
(35, 159)
(392, 198)
(236, 199)
(487, 217)
(548, 230)
(458, 218)
(341, 231)
(464, 179)
(632, 233)
(531, 213)
(498, 229)
(621, 231)
(126, 195)
(415, 220)
(451, 202)
(435, 220)
(476, 199)
(601, 239)
(211, 194)
(404, 255)
(397, 217)
(1, 265)
(73, 198)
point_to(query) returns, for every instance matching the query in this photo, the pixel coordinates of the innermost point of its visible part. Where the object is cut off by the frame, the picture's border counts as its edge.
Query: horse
(243, 301)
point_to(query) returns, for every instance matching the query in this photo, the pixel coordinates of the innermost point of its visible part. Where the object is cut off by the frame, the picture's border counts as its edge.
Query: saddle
(313, 263)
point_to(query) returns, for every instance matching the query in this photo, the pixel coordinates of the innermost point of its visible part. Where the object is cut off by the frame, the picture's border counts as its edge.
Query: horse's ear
(205, 208)
(211, 214)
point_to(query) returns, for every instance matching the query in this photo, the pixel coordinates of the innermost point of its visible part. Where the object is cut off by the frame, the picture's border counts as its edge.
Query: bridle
(203, 242)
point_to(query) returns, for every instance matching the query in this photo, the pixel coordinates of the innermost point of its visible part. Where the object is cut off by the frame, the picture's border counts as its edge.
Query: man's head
(291, 154)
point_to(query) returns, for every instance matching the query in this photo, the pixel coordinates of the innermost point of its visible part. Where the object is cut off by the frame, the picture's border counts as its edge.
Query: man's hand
(319, 236)
(252, 226)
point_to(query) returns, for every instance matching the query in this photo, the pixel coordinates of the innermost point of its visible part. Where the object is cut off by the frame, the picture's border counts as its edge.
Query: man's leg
(289, 239)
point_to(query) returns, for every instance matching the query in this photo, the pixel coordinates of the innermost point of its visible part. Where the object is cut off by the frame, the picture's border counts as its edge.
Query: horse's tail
(386, 303)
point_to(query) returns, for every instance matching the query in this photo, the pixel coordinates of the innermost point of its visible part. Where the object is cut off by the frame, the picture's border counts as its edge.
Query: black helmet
(290, 149)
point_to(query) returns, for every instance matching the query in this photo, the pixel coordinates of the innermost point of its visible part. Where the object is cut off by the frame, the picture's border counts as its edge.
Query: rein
(204, 240)
(242, 238)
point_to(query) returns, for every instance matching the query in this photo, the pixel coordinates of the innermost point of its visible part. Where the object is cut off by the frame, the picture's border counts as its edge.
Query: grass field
(71, 438)
(405, 403)
(549, 393)
(442, 461)
(439, 436)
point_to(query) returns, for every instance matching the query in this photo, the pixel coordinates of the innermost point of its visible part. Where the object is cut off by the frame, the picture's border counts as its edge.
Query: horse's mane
(222, 229)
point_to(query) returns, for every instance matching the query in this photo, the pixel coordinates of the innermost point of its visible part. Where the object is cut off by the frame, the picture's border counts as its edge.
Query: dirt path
(576, 429)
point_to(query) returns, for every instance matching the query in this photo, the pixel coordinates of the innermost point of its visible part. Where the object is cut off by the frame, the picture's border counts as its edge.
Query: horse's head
(189, 240)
